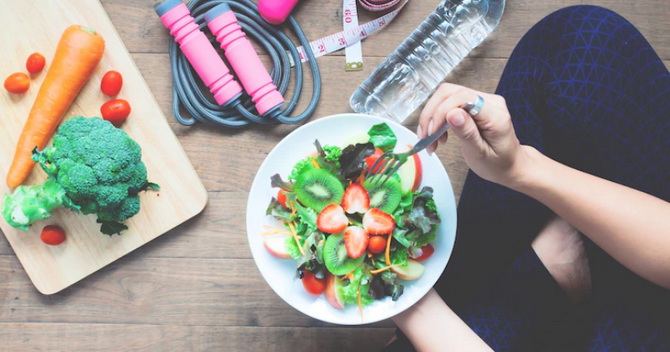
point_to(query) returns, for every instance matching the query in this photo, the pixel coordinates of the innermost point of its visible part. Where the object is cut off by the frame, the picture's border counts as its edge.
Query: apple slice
(276, 245)
(412, 271)
(332, 292)
(411, 173)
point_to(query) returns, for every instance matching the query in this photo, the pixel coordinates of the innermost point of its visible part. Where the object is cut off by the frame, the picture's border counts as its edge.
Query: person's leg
(585, 88)
(626, 330)
(560, 248)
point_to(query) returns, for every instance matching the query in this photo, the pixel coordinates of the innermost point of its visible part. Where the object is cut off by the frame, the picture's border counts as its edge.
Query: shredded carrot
(377, 271)
(387, 255)
(295, 236)
(294, 209)
(361, 177)
(349, 276)
(316, 164)
(372, 259)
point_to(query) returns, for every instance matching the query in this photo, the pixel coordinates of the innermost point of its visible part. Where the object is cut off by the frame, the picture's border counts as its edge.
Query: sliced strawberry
(332, 219)
(356, 241)
(355, 199)
(377, 222)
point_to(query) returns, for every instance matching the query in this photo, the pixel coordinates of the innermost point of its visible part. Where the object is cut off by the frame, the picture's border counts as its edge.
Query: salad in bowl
(348, 244)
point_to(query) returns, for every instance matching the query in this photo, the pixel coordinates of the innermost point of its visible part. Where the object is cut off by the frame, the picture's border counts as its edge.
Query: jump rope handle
(243, 59)
(276, 11)
(176, 17)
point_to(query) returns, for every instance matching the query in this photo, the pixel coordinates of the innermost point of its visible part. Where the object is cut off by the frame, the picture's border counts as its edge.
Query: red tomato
(35, 63)
(111, 83)
(115, 111)
(52, 235)
(377, 244)
(281, 197)
(427, 251)
(313, 284)
(370, 160)
(17, 83)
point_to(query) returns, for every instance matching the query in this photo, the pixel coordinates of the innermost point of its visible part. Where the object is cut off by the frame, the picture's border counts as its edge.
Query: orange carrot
(78, 53)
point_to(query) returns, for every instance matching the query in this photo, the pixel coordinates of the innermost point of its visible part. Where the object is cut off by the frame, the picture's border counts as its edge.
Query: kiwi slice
(336, 258)
(384, 196)
(317, 188)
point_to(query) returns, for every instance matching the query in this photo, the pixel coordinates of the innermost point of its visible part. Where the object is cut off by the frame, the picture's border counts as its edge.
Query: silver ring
(474, 108)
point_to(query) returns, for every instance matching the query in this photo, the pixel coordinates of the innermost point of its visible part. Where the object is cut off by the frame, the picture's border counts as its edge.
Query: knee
(581, 18)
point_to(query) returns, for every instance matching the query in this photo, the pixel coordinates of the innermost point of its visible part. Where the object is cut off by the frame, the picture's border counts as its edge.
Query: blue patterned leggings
(586, 89)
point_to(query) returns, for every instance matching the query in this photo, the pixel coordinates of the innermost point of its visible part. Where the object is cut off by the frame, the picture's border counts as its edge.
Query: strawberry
(332, 219)
(356, 241)
(355, 199)
(377, 222)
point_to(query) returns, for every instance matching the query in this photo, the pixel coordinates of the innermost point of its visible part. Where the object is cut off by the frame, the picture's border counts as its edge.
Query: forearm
(432, 326)
(632, 226)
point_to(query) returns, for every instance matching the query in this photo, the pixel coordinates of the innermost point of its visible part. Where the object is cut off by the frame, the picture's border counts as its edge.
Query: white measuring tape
(353, 53)
(349, 36)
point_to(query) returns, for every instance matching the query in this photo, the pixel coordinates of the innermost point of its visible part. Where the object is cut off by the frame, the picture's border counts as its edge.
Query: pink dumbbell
(199, 51)
(243, 58)
(276, 11)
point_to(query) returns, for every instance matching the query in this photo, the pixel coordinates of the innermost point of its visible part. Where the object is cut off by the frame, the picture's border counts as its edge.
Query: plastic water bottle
(411, 73)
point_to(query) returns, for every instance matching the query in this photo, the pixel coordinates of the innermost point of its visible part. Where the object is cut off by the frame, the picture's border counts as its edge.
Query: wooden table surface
(197, 287)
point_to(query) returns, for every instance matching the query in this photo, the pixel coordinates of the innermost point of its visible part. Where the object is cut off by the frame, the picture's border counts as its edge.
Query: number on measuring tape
(351, 36)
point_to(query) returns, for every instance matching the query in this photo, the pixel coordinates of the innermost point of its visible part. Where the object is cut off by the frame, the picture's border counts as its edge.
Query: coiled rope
(187, 92)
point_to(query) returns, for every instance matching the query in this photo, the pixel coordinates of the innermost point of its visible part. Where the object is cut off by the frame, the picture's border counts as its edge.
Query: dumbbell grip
(243, 58)
(276, 11)
(199, 51)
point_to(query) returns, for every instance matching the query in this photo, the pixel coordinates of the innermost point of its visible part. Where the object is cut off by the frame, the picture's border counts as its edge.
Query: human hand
(489, 145)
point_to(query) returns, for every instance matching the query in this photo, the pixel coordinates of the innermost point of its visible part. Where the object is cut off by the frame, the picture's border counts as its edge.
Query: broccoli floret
(92, 167)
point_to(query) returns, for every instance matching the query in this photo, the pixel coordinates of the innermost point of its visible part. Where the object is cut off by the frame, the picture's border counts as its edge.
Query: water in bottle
(411, 73)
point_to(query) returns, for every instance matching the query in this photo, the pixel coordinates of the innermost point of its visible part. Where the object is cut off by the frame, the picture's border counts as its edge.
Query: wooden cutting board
(36, 25)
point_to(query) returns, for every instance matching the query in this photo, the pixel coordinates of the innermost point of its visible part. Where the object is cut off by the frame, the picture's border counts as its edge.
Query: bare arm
(432, 326)
(633, 227)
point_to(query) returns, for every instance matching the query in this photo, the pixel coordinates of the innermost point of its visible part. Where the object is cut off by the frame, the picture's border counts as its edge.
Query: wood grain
(196, 287)
(87, 250)
(35, 337)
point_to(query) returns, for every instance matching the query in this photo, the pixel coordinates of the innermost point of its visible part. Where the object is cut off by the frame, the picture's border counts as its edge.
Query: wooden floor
(197, 287)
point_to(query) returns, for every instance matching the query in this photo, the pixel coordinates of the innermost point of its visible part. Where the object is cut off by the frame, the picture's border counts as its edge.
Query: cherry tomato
(371, 159)
(115, 111)
(17, 83)
(35, 63)
(281, 197)
(377, 244)
(313, 284)
(52, 235)
(111, 83)
(427, 251)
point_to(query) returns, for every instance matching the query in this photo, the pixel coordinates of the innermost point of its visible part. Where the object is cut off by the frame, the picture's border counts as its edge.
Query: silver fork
(389, 163)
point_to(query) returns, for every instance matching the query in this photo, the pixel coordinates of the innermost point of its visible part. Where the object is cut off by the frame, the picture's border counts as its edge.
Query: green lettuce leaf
(382, 137)
(292, 248)
(350, 291)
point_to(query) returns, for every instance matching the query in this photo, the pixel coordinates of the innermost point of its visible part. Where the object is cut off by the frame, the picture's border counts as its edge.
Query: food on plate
(115, 111)
(362, 239)
(52, 235)
(17, 83)
(78, 53)
(313, 284)
(92, 167)
(35, 63)
(111, 83)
